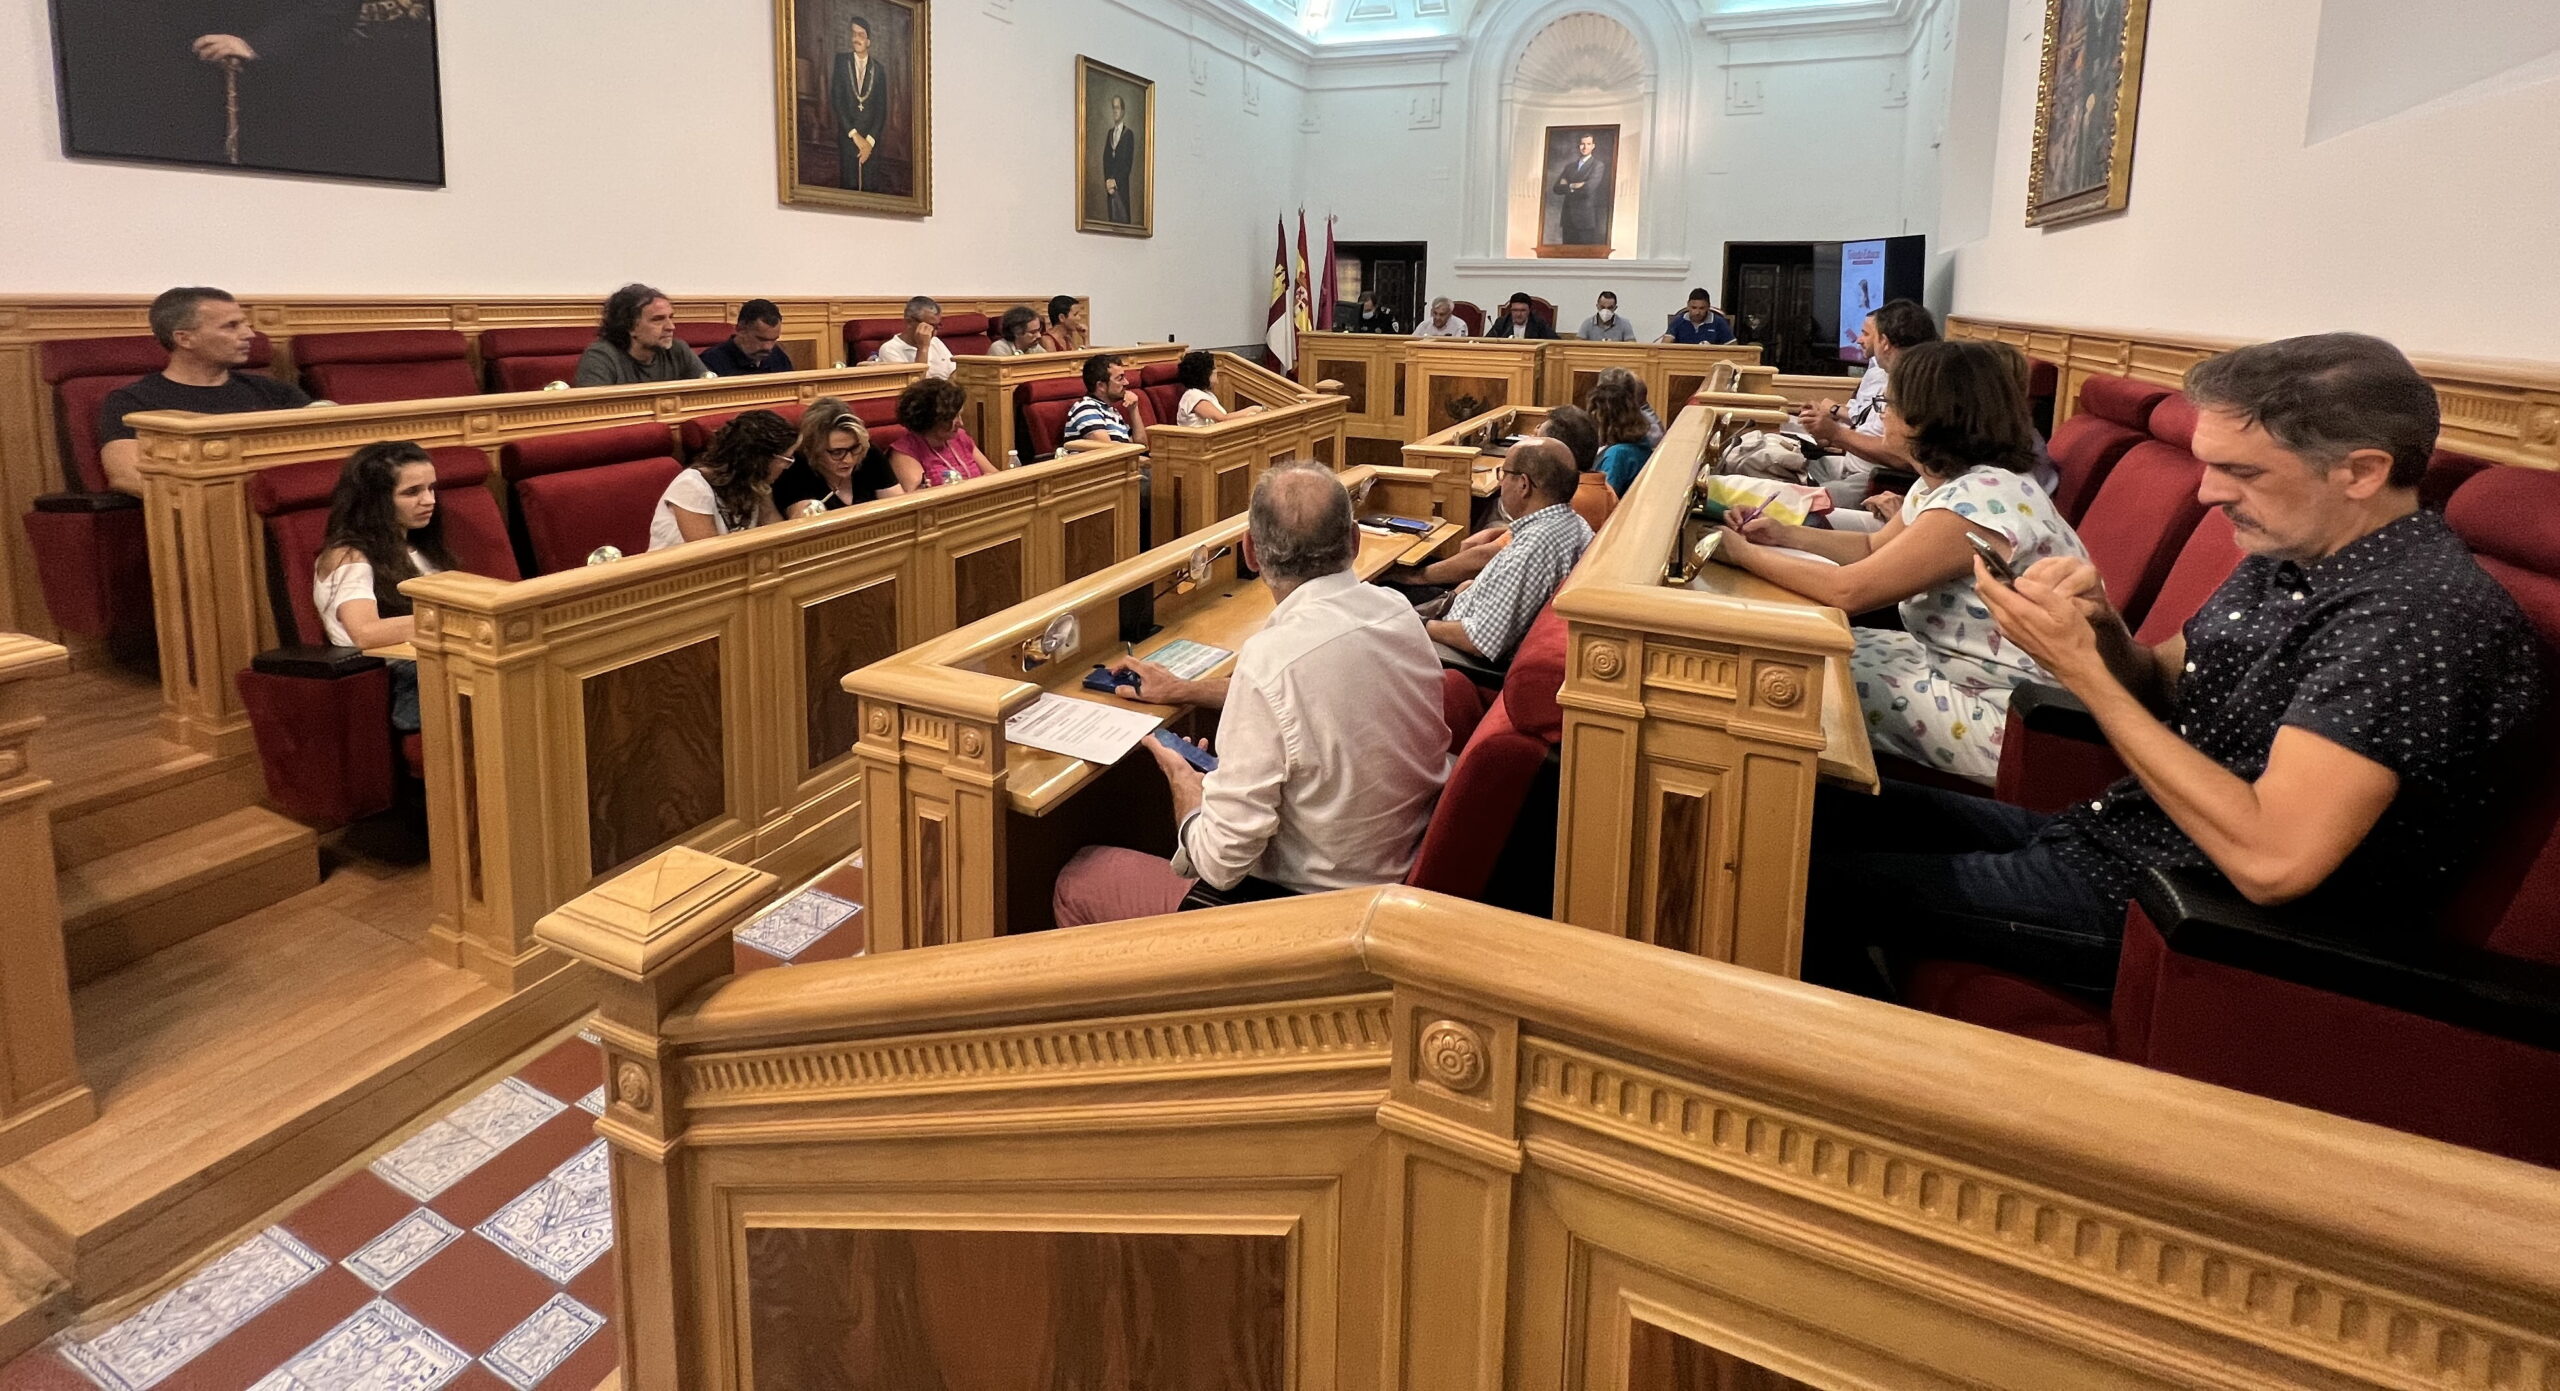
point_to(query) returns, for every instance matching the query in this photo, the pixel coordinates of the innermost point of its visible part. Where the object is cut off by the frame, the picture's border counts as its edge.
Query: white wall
(2434, 227)
(589, 142)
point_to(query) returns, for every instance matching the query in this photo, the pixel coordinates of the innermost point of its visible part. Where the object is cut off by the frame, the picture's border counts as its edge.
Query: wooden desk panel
(1671, 372)
(1449, 380)
(993, 386)
(1370, 369)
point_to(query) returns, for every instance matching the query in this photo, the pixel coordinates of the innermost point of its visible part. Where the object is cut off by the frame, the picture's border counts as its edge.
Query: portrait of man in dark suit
(342, 88)
(857, 95)
(1581, 194)
(1115, 158)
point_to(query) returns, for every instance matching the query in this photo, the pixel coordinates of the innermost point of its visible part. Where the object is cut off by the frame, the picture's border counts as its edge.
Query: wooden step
(123, 906)
(102, 816)
(34, 1298)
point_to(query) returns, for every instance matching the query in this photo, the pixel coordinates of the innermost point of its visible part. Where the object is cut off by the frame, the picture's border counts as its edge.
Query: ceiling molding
(1720, 21)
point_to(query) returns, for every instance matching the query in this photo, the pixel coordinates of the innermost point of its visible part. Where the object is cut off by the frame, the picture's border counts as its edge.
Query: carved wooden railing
(42, 1096)
(1368, 369)
(1698, 717)
(1387, 1140)
(208, 550)
(1203, 473)
(2504, 411)
(579, 721)
(31, 462)
(994, 385)
(1457, 454)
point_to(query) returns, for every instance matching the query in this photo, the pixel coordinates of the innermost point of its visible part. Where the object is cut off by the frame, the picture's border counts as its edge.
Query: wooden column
(654, 936)
(1453, 1151)
(42, 1097)
(208, 586)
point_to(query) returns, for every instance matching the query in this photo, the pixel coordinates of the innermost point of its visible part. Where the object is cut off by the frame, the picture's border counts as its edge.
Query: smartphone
(1107, 681)
(1192, 753)
(1991, 560)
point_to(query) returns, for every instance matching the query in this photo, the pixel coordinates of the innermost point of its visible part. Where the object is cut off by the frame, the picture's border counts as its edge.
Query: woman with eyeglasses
(835, 464)
(729, 488)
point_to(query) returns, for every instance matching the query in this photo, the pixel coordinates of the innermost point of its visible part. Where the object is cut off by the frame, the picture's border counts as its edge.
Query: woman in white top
(1199, 404)
(730, 488)
(1936, 693)
(382, 530)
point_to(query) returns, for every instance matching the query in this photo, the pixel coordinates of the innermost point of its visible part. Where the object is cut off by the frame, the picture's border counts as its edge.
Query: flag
(1280, 335)
(1329, 287)
(1303, 305)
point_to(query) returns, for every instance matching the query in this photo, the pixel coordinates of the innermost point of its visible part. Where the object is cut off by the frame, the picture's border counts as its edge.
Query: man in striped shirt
(1108, 411)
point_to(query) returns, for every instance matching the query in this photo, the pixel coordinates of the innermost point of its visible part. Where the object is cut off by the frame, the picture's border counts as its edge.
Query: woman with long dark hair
(383, 529)
(1937, 692)
(730, 487)
(1626, 439)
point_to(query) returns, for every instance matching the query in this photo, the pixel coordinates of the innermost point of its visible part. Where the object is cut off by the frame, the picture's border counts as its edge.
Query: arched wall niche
(1507, 106)
(1585, 69)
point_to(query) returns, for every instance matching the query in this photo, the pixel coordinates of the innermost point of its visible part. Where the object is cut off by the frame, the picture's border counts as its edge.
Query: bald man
(1331, 747)
(1487, 615)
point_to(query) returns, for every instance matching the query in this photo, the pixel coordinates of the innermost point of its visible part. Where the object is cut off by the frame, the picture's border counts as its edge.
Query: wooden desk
(993, 386)
(396, 651)
(960, 825)
(1698, 720)
(1671, 372)
(1458, 454)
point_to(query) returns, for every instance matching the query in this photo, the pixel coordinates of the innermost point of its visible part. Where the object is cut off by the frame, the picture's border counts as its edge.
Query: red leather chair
(593, 488)
(701, 336)
(2143, 513)
(355, 369)
(695, 434)
(1467, 312)
(529, 359)
(1545, 312)
(1045, 404)
(965, 332)
(863, 337)
(321, 715)
(92, 555)
(2448, 1028)
(2114, 416)
(1159, 386)
(1492, 838)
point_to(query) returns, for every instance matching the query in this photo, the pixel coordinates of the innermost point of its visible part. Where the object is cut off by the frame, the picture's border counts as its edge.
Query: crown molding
(1898, 15)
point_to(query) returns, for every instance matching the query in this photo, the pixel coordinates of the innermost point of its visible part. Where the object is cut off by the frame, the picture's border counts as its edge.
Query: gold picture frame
(886, 132)
(1101, 204)
(2088, 95)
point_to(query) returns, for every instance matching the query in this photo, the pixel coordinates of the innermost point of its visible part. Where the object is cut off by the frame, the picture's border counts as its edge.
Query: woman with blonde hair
(835, 464)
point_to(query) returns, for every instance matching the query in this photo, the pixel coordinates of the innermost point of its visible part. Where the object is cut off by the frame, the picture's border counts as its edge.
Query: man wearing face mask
(1604, 325)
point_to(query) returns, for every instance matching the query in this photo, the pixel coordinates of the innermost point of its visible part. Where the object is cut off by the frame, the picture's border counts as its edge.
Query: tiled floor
(474, 1254)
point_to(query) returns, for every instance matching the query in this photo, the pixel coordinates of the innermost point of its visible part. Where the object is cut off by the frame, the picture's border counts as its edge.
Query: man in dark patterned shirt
(2333, 719)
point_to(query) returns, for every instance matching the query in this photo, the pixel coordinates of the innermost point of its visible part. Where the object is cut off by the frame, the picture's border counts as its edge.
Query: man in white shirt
(1443, 323)
(1331, 745)
(1604, 325)
(920, 340)
(1854, 433)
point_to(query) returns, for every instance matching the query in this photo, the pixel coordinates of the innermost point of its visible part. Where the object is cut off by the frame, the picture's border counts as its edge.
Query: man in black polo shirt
(208, 337)
(755, 347)
(2334, 719)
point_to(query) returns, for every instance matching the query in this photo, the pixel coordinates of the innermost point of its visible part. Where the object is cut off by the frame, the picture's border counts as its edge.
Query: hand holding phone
(1991, 559)
(1192, 753)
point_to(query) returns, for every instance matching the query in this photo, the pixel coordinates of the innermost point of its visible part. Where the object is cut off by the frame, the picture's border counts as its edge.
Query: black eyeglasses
(845, 453)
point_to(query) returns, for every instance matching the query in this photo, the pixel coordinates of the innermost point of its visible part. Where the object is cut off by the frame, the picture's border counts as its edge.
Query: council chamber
(1151, 695)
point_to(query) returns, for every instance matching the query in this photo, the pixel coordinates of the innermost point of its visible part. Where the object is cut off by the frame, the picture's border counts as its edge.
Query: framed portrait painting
(855, 84)
(1115, 150)
(2086, 101)
(1578, 190)
(343, 89)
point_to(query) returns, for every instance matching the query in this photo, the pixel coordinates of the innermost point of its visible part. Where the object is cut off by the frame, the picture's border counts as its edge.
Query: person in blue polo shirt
(1702, 322)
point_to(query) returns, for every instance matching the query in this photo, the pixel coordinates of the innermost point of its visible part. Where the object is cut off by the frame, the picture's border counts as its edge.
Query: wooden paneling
(1456, 399)
(932, 929)
(1191, 465)
(1090, 543)
(655, 736)
(837, 635)
(1353, 374)
(2505, 411)
(42, 1095)
(1679, 868)
(1670, 371)
(835, 1309)
(1235, 488)
(987, 580)
(1501, 1152)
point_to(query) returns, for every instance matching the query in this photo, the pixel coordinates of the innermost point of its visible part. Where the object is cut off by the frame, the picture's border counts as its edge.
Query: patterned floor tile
(205, 1308)
(790, 926)
(567, 1070)
(378, 1349)
(563, 1223)
(293, 1323)
(352, 1212)
(503, 1179)
(472, 1293)
(410, 1243)
(593, 1102)
(537, 1346)
(437, 1157)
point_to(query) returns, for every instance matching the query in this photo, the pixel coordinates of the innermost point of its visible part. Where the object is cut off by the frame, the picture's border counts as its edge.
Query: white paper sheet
(1086, 729)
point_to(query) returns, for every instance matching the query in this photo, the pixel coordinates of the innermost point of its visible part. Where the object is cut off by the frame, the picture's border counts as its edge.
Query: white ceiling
(1332, 23)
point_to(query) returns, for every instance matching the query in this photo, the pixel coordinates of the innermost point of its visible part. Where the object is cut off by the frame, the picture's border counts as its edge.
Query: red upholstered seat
(92, 555)
(2114, 416)
(701, 336)
(2338, 1048)
(2447, 471)
(593, 488)
(529, 359)
(965, 332)
(322, 722)
(1545, 310)
(1497, 767)
(355, 369)
(1045, 404)
(2140, 519)
(1467, 312)
(695, 434)
(863, 337)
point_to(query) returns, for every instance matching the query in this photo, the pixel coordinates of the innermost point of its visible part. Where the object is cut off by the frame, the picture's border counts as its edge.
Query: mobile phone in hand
(1991, 560)
(1192, 753)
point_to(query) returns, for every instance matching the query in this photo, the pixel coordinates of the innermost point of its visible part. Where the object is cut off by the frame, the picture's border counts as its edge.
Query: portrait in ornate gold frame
(854, 82)
(2087, 98)
(1115, 161)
